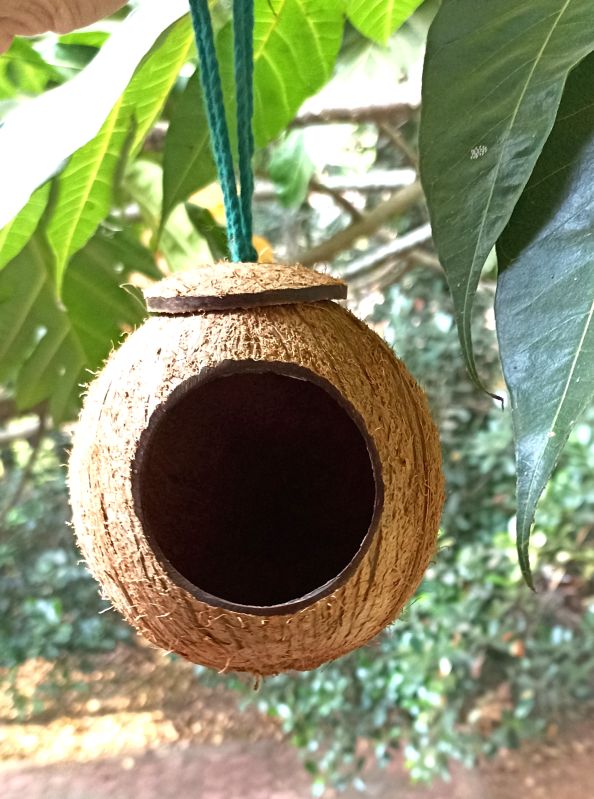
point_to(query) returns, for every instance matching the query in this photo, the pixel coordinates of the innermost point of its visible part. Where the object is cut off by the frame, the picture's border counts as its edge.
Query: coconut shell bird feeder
(255, 477)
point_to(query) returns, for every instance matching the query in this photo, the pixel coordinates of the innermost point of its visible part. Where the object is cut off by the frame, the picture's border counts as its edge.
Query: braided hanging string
(243, 21)
(238, 208)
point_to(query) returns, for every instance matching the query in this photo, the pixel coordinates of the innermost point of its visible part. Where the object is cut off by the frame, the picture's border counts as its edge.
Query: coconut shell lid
(222, 286)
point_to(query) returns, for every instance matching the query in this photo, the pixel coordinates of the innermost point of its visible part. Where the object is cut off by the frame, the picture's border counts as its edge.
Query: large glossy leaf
(155, 78)
(85, 186)
(48, 348)
(545, 297)
(37, 350)
(17, 233)
(40, 134)
(378, 19)
(494, 75)
(187, 160)
(98, 305)
(85, 191)
(295, 46)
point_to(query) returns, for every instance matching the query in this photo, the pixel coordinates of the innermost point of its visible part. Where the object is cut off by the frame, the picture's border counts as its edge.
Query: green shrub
(49, 605)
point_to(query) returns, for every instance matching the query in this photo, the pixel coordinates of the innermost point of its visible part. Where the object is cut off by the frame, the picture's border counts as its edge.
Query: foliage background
(477, 662)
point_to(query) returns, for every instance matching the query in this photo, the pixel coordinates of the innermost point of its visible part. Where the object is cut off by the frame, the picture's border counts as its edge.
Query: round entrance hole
(260, 488)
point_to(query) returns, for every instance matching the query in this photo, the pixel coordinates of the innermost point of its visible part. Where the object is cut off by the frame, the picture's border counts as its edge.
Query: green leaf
(37, 350)
(23, 70)
(17, 233)
(72, 52)
(98, 305)
(378, 19)
(187, 160)
(86, 185)
(178, 240)
(40, 134)
(291, 169)
(545, 297)
(295, 47)
(493, 79)
(91, 37)
(85, 191)
(48, 348)
(150, 86)
(129, 252)
(215, 235)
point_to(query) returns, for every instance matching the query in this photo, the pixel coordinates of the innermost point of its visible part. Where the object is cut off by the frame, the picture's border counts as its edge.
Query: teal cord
(243, 22)
(238, 208)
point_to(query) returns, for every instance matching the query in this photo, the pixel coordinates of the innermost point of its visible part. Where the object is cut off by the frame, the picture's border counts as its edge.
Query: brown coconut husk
(230, 285)
(319, 342)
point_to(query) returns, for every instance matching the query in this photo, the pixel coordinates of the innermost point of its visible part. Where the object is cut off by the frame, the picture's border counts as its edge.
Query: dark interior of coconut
(257, 487)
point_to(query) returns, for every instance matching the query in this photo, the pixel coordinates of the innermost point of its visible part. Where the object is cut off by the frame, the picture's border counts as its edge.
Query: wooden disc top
(222, 286)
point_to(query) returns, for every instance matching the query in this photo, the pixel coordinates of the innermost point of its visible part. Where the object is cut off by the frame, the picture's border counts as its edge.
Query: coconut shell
(231, 285)
(141, 388)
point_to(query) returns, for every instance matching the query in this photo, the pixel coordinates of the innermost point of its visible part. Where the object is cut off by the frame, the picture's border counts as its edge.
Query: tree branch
(9, 413)
(398, 139)
(367, 225)
(399, 246)
(397, 112)
(22, 432)
(425, 258)
(7, 409)
(372, 181)
(339, 199)
(386, 275)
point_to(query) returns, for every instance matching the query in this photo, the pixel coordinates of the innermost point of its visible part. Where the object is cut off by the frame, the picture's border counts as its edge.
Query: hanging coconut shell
(255, 478)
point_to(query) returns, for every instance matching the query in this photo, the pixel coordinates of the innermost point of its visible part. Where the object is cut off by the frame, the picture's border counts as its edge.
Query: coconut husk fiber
(231, 285)
(257, 483)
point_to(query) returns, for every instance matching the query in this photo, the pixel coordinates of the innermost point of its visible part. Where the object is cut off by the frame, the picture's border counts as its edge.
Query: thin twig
(398, 139)
(376, 180)
(25, 431)
(370, 113)
(426, 258)
(387, 274)
(398, 247)
(366, 226)
(339, 199)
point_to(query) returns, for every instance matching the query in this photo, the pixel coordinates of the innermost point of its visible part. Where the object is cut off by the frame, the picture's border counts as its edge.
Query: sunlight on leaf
(378, 19)
(40, 134)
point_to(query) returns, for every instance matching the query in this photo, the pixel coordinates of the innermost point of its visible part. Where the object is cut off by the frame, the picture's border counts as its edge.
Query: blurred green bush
(49, 605)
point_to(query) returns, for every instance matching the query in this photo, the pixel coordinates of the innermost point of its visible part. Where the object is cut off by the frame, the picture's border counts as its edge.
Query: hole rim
(228, 368)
